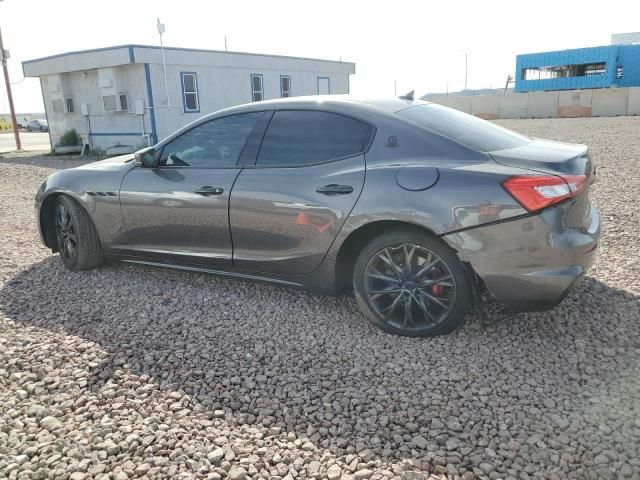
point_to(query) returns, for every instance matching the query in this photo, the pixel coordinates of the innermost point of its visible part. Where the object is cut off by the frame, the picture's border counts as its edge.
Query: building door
(178, 210)
(286, 210)
(324, 86)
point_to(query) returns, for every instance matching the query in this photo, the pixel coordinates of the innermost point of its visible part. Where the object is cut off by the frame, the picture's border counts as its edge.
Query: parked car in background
(38, 125)
(418, 208)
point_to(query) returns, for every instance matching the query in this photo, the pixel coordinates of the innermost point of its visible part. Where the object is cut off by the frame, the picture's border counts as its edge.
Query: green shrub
(70, 138)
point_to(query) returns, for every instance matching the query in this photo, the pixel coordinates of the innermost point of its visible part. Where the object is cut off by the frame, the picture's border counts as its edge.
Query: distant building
(596, 67)
(116, 97)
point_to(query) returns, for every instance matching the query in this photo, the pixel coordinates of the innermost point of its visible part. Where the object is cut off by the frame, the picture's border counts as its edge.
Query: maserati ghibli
(421, 210)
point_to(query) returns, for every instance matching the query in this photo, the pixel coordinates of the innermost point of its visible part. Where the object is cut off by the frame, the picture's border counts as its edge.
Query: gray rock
(363, 474)
(334, 472)
(215, 456)
(486, 468)
(50, 423)
(142, 469)
(111, 447)
(237, 473)
(314, 468)
(420, 441)
(601, 460)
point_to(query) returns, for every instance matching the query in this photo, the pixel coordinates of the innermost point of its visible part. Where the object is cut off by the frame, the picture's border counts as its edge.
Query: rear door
(286, 210)
(178, 210)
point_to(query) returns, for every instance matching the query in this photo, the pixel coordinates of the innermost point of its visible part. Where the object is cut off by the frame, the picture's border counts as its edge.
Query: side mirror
(145, 157)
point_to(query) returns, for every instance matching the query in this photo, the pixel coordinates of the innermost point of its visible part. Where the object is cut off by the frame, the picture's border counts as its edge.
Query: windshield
(473, 132)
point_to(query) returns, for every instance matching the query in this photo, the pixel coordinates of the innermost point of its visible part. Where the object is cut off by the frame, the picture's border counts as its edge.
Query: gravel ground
(126, 372)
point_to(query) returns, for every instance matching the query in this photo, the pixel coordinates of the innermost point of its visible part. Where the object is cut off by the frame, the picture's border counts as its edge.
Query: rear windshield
(468, 130)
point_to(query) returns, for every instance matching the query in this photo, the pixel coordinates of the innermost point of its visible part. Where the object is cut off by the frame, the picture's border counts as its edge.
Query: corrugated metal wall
(627, 56)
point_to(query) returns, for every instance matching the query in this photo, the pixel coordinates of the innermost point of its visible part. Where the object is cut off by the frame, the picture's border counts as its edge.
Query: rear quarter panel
(467, 193)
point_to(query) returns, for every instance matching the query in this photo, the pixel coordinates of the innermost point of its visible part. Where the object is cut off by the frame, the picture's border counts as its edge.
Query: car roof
(359, 107)
(343, 102)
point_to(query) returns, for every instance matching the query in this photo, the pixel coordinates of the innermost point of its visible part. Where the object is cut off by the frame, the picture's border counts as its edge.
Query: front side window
(300, 137)
(470, 131)
(217, 143)
(190, 98)
(257, 90)
(285, 86)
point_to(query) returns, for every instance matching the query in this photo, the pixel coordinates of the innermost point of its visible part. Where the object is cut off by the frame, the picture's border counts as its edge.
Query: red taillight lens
(535, 192)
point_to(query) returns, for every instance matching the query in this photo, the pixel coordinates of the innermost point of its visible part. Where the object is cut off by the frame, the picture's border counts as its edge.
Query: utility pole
(4, 55)
(164, 65)
(465, 70)
(225, 44)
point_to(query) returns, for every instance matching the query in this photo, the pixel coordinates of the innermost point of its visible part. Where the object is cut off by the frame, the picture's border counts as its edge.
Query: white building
(116, 97)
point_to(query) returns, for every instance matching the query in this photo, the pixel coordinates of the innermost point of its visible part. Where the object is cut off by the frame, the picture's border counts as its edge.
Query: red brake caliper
(437, 290)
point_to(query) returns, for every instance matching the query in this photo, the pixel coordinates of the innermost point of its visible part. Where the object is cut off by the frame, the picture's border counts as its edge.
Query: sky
(421, 45)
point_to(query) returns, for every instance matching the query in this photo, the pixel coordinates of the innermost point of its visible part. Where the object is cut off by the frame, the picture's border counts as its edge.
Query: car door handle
(334, 189)
(209, 190)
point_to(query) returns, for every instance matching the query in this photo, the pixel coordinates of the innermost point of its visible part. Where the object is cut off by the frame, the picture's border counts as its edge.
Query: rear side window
(473, 132)
(297, 137)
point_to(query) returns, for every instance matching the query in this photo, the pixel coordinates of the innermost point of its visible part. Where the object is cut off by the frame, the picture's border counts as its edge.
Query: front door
(286, 210)
(178, 211)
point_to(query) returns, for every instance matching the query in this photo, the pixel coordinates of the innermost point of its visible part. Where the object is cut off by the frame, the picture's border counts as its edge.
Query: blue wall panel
(628, 56)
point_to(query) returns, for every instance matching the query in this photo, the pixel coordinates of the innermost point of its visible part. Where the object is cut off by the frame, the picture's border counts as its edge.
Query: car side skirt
(321, 280)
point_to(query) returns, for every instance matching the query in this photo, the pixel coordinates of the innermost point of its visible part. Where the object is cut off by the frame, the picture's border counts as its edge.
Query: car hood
(115, 163)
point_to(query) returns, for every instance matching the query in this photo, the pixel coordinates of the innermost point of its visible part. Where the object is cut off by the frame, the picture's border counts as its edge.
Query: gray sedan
(420, 209)
(37, 126)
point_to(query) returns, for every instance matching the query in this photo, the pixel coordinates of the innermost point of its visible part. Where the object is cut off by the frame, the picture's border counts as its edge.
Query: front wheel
(78, 241)
(411, 284)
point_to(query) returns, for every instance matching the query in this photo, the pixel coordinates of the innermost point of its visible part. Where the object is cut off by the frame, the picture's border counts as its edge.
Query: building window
(115, 103)
(257, 89)
(190, 100)
(285, 86)
(564, 71)
(324, 86)
(68, 105)
(57, 105)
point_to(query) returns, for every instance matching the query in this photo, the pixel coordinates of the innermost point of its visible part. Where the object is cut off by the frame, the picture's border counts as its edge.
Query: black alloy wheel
(78, 241)
(411, 284)
(67, 234)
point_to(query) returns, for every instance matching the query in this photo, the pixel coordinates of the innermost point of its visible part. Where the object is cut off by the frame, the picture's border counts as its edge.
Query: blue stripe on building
(152, 112)
(115, 134)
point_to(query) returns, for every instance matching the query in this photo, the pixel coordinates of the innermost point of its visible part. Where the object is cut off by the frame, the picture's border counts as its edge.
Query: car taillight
(535, 192)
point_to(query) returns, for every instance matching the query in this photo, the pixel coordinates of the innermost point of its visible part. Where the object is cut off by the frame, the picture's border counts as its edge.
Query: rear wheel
(78, 241)
(411, 284)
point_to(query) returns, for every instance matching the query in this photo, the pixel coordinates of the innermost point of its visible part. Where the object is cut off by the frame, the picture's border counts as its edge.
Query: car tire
(78, 241)
(412, 284)
(28, 129)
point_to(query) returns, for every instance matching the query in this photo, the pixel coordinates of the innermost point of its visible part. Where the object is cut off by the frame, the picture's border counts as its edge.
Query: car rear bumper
(530, 263)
